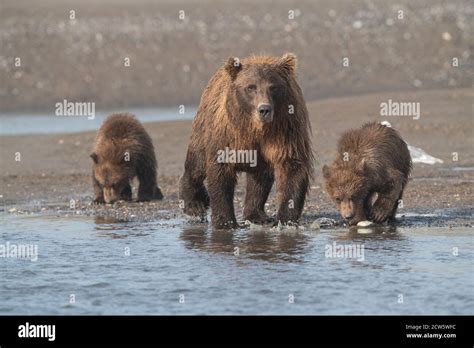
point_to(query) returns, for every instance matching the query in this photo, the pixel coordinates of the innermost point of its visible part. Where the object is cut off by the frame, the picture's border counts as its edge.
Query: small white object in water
(315, 225)
(420, 156)
(365, 231)
(364, 223)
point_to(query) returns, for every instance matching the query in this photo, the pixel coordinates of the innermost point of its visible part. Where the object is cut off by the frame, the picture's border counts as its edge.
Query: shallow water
(86, 256)
(49, 123)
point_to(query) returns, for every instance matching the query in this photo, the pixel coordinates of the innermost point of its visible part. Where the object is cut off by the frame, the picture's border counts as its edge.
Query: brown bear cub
(123, 150)
(252, 118)
(373, 163)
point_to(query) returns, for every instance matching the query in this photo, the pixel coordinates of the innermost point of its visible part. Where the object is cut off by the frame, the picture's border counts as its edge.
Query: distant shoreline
(171, 60)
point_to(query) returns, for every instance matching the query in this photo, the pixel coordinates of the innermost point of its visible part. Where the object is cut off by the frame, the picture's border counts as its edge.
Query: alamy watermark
(237, 156)
(28, 330)
(345, 251)
(405, 109)
(67, 108)
(19, 251)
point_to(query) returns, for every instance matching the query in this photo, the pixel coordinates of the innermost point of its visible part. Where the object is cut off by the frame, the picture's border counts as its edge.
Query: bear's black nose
(264, 110)
(349, 216)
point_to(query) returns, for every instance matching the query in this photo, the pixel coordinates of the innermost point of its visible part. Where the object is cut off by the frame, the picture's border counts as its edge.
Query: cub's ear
(94, 157)
(288, 63)
(326, 172)
(233, 66)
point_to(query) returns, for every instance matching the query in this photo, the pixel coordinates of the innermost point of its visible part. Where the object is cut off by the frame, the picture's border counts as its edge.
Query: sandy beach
(55, 168)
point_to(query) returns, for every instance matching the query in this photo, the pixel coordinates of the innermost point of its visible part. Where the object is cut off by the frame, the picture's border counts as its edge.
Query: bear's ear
(326, 172)
(288, 63)
(233, 66)
(94, 157)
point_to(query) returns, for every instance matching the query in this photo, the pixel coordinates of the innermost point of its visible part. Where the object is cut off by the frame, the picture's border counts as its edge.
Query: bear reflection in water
(291, 245)
(262, 245)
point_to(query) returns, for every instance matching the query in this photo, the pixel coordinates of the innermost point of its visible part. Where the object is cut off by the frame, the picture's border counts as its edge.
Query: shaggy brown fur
(373, 163)
(252, 104)
(123, 150)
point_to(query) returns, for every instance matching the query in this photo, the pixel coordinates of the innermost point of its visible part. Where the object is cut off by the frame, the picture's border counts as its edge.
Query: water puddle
(49, 123)
(459, 169)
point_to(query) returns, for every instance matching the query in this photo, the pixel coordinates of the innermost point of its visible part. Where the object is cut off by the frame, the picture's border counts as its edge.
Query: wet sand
(55, 168)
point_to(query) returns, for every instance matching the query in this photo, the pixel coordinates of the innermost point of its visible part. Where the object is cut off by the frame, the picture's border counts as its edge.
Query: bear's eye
(338, 200)
(275, 89)
(251, 88)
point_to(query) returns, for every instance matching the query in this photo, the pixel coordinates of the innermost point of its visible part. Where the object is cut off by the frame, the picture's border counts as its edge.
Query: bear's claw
(195, 208)
(381, 210)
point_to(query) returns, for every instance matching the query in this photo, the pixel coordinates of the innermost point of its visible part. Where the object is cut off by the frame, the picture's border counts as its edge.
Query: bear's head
(346, 185)
(113, 175)
(260, 87)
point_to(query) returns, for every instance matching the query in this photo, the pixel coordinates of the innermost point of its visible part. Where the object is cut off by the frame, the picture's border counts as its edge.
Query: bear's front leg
(259, 185)
(292, 186)
(221, 180)
(192, 194)
(126, 193)
(98, 191)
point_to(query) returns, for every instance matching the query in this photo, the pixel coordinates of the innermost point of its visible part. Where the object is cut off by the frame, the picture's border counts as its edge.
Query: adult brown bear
(368, 177)
(122, 150)
(252, 118)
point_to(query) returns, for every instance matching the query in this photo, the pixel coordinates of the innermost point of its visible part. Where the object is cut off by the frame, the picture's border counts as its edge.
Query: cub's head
(259, 86)
(345, 184)
(113, 176)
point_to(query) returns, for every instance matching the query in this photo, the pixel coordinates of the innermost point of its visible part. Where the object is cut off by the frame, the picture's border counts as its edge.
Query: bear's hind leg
(385, 207)
(392, 218)
(259, 185)
(158, 194)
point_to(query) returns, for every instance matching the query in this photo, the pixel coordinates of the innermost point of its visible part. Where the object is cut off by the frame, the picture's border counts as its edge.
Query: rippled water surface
(431, 268)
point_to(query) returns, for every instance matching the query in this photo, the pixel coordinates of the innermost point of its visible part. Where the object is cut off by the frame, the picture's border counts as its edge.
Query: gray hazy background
(171, 60)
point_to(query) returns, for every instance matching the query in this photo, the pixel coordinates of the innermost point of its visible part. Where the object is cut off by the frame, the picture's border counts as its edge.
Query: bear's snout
(110, 195)
(265, 112)
(348, 215)
(347, 209)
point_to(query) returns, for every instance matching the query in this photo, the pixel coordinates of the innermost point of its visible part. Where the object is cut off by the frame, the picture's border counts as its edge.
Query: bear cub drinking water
(123, 150)
(373, 163)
